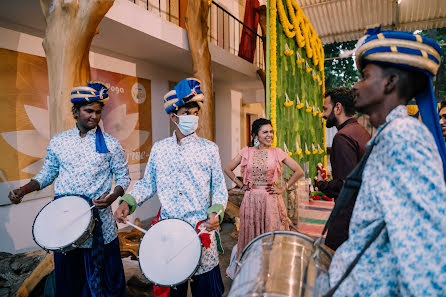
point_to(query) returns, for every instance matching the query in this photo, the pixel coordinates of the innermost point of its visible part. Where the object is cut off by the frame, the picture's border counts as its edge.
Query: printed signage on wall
(24, 120)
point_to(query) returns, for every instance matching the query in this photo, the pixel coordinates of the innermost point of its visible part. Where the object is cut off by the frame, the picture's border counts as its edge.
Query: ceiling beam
(360, 32)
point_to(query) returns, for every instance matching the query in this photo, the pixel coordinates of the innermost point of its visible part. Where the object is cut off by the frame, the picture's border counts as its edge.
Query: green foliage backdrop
(296, 126)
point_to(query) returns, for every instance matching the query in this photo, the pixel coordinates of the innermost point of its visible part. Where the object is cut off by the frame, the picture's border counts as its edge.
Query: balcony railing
(225, 30)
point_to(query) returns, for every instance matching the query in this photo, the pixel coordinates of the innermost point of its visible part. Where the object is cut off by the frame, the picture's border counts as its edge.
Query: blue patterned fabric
(80, 169)
(187, 90)
(73, 273)
(185, 177)
(403, 184)
(412, 52)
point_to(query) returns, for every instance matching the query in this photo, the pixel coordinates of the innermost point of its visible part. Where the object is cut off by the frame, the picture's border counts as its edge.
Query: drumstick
(190, 242)
(136, 227)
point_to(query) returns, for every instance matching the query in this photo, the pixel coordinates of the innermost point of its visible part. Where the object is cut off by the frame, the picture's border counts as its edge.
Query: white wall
(227, 119)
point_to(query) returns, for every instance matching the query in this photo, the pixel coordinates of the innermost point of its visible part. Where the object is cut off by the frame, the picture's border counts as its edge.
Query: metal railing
(225, 30)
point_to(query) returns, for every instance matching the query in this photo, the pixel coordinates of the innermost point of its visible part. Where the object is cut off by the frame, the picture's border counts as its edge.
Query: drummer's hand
(16, 195)
(105, 200)
(122, 212)
(213, 222)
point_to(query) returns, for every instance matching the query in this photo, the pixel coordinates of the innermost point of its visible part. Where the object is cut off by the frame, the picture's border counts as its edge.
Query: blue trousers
(209, 284)
(73, 270)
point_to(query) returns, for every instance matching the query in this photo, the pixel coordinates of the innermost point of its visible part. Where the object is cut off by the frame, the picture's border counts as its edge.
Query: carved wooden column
(197, 31)
(71, 26)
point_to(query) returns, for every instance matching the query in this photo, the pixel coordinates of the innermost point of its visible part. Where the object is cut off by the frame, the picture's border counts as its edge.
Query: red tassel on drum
(161, 291)
(204, 237)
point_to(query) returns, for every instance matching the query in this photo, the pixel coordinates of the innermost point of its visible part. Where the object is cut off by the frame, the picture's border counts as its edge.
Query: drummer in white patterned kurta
(83, 161)
(185, 171)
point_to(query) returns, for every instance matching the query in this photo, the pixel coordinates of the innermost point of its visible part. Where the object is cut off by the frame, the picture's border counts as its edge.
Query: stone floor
(14, 269)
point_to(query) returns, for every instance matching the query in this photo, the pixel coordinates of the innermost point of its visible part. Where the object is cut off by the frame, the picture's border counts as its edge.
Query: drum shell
(281, 263)
(71, 246)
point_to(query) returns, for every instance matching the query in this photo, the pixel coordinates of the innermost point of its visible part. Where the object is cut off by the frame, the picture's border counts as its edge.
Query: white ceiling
(344, 20)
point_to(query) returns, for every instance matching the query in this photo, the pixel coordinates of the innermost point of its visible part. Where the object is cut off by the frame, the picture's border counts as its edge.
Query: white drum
(170, 252)
(63, 224)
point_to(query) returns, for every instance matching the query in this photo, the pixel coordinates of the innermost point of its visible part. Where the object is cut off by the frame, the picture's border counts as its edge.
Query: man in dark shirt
(347, 150)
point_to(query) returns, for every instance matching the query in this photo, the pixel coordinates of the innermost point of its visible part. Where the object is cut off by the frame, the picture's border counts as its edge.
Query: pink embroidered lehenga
(260, 211)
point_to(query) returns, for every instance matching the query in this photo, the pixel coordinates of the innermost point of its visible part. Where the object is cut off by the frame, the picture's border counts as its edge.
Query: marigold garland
(300, 28)
(273, 69)
(297, 26)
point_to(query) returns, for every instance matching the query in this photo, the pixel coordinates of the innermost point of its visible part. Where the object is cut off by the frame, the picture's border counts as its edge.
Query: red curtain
(247, 46)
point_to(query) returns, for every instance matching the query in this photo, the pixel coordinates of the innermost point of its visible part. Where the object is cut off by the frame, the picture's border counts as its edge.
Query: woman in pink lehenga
(262, 209)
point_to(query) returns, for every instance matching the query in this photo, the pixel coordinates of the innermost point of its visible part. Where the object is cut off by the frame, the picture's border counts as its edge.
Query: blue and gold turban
(411, 52)
(187, 90)
(94, 91)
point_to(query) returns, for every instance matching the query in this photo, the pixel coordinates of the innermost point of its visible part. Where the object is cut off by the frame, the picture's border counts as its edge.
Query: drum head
(61, 222)
(169, 252)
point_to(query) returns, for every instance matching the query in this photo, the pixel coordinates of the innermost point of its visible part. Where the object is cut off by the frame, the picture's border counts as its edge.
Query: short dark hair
(410, 82)
(442, 104)
(188, 106)
(256, 125)
(344, 96)
(77, 106)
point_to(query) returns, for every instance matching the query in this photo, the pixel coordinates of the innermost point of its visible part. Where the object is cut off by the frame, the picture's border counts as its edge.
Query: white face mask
(188, 124)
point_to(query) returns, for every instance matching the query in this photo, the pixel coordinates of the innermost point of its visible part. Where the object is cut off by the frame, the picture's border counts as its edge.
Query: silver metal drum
(280, 264)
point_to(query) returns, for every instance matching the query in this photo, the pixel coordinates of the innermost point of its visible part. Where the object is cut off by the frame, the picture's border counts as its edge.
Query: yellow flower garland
(273, 69)
(301, 29)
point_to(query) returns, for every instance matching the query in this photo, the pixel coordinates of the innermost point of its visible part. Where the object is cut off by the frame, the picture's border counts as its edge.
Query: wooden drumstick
(190, 242)
(136, 227)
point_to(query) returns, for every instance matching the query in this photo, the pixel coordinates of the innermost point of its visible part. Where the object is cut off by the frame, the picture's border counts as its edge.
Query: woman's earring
(256, 142)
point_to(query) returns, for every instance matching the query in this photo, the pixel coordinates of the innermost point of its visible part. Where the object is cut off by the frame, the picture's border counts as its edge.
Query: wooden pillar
(183, 11)
(71, 26)
(197, 31)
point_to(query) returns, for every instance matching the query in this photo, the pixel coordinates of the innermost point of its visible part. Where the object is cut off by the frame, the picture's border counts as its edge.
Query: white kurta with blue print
(81, 170)
(403, 184)
(185, 177)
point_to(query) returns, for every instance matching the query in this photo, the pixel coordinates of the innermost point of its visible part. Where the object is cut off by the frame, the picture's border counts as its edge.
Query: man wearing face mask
(347, 149)
(185, 171)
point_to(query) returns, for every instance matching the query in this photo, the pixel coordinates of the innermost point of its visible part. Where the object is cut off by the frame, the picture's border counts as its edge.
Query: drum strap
(349, 191)
(97, 254)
